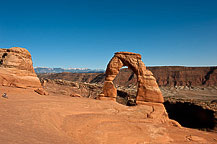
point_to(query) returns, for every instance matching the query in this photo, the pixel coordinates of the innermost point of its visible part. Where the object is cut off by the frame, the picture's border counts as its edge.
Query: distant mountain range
(72, 70)
(170, 76)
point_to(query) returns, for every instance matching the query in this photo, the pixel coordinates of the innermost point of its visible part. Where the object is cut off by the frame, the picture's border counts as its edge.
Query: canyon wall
(185, 76)
(165, 75)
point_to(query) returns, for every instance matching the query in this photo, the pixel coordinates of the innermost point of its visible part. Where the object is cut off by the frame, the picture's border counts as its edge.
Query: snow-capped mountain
(60, 70)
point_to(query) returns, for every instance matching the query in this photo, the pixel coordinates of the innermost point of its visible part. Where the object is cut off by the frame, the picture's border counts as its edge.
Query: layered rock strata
(166, 76)
(148, 90)
(16, 68)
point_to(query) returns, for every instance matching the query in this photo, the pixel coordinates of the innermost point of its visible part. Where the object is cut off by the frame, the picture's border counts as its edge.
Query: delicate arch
(148, 90)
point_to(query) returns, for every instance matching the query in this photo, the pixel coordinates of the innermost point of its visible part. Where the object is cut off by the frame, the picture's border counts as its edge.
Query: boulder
(41, 91)
(16, 69)
(75, 95)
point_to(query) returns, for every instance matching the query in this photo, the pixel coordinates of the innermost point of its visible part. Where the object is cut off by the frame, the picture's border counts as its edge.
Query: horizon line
(126, 66)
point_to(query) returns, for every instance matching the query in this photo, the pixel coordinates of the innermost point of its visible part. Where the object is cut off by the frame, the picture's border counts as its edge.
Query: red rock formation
(41, 91)
(165, 75)
(147, 87)
(16, 68)
(57, 119)
(185, 76)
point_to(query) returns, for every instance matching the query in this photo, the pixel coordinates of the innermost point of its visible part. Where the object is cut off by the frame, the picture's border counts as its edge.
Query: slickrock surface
(16, 68)
(199, 102)
(147, 90)
(27, 117)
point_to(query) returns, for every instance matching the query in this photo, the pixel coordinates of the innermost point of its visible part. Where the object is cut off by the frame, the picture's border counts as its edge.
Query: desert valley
(134, 106)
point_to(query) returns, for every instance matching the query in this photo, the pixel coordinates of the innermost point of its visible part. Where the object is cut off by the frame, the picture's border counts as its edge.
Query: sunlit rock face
(16, 68)
(148, 90)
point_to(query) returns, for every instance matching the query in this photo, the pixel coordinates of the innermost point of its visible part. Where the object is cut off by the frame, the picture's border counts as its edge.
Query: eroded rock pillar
(148, 90)
(109, 90)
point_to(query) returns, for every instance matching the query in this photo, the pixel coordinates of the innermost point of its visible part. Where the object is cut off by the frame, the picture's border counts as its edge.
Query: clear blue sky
(86, 33)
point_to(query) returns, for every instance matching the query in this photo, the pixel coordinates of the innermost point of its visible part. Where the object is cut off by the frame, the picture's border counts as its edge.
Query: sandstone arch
(148, 90)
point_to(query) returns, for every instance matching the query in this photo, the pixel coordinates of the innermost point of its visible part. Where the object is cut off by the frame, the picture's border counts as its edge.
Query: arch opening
(126, 85)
